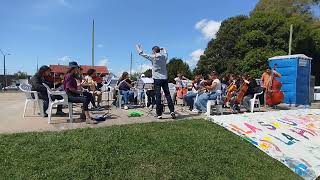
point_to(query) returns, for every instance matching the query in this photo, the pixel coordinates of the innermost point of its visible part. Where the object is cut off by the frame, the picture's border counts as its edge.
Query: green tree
(21, 75)
(148, 73)
(244, 44)
(287, 7)
(176, 66)
(135, 76)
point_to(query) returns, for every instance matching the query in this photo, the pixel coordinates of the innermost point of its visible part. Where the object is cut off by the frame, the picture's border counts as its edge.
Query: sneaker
(195, 111)
(159, 117)
(125, 107)
(45, 115)
(173, 115)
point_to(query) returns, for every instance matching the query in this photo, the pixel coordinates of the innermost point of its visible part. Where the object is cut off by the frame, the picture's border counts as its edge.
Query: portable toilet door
(295, 73)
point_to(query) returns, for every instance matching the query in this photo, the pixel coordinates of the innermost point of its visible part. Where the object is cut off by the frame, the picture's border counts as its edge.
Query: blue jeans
(158, 84)
(202, 101)
(127, 95)
(189, 99)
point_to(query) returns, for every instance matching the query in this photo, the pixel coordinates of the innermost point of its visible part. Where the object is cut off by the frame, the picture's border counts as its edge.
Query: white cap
(142, 75)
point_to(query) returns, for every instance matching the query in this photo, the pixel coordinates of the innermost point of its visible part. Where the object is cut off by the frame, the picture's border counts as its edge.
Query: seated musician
(98, 78)
(189, 98)
(91, 86)
(210, 94)
(125, 85)
(74, 94)
(151, 94)
(238, 81)
(233, 85)
(266, 78)
(181, 87)
(252, 89)
(42, 76)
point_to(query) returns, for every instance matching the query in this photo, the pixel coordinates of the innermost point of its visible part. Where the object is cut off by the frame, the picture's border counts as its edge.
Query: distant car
(11, 87)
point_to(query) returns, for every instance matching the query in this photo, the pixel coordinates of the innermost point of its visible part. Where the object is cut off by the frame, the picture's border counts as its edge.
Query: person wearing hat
(36, 82)
(75, 95)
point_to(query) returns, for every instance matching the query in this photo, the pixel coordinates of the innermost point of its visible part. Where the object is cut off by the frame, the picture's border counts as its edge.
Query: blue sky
(59, 30)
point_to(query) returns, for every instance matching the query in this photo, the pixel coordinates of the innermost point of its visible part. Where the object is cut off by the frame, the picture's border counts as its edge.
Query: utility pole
(130, 64)
(37, 63)
(4, 69)
(93, 42)
(290, 38)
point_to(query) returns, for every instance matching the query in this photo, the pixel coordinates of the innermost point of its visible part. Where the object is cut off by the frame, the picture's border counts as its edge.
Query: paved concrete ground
(12, 121)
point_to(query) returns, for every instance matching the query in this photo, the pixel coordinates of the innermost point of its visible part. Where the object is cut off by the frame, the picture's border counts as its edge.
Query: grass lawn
(190, 149)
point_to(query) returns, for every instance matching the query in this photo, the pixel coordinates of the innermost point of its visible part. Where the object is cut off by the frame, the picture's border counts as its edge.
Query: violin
(242, 91)
(274, 95)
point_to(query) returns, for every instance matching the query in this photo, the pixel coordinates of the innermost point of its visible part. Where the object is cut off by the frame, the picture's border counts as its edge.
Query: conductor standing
(159, 59)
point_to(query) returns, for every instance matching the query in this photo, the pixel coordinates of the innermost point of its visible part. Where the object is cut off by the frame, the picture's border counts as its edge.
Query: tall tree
(176, 66)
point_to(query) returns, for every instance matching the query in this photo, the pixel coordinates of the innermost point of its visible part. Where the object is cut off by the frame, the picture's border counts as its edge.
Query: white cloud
(100, 45)
(65, 59)
(64, 3)
(208, 28)
(103, 62)
(195, 56)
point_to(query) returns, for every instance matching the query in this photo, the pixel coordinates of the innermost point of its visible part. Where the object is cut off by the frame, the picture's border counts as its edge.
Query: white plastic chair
(217, 103)
(119, 97)
(63, 101)
(26, 88)
(254, 101)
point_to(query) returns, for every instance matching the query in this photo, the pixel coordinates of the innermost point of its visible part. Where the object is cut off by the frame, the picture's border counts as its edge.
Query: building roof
(99, 69)
(58, 68)
(63, 69)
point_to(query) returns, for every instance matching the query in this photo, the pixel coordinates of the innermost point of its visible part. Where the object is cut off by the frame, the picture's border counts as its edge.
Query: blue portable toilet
(296, 76)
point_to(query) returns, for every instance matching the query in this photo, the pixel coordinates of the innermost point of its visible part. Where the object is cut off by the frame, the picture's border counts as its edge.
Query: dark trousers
(151, 98)
(85, 99)
(158, 84)
(91, 98)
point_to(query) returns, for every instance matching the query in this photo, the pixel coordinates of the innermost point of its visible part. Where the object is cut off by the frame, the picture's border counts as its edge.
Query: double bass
(274, 95)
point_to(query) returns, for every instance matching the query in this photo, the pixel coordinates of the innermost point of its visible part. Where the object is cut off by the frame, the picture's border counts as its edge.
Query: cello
(274, 95)
(242, 91)
(230, 89)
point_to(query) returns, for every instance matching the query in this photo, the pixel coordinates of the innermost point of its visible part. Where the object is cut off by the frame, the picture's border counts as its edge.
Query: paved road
(11, 120)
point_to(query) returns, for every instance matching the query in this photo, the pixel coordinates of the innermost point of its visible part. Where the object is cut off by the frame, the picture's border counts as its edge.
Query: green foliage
(192, 149)
(135, 76)
(286, 7)
(176, 66)
(148, 73)
(21, 75)
(254, 63)
(244, 44)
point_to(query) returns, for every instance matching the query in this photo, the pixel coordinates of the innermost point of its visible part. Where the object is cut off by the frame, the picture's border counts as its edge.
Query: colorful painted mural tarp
(292, 137)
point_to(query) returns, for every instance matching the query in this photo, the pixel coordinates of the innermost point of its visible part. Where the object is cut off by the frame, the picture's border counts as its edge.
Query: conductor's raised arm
(141, 53)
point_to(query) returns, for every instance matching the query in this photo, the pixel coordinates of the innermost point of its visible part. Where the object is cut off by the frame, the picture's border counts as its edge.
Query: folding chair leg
(208, 113)
(40, 104)
(34, 107)
(25, 108)
(70, 112)
(50, 114)
(251, 106)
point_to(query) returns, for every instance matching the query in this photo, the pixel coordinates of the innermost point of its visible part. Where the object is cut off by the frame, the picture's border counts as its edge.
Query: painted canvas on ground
(291, 137)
